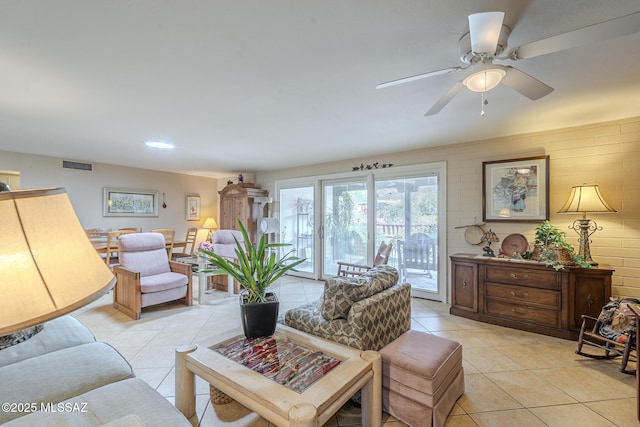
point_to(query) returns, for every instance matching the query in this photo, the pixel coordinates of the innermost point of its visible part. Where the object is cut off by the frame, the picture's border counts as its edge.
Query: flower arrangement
(206, 246)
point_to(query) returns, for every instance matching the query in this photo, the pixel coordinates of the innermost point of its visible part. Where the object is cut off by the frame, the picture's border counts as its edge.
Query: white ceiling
(254, 85)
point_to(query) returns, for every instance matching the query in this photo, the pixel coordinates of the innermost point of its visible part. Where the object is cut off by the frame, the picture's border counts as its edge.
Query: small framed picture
(193, 208)
(516, 190)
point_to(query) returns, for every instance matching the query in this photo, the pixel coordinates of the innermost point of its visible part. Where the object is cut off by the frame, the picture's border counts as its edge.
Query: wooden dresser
(527, 295)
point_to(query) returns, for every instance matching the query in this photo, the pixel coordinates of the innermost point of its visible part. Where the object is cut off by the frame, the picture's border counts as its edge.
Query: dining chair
(96, 232)
(188, 245)
(111, 248)
(169, 236)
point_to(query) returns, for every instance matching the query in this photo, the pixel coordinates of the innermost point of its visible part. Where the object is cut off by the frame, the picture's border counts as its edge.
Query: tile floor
(512, 378)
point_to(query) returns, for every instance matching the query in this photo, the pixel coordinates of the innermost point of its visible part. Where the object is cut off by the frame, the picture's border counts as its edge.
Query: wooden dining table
(101, 245)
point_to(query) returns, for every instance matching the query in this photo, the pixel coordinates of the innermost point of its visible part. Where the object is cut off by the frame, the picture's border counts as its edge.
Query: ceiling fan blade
(522, 82)
(420, 76)
(484, 31)
(613, 28)
(445, 99)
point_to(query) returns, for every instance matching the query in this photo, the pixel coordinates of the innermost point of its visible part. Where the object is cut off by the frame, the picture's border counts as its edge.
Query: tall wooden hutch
(244, 202)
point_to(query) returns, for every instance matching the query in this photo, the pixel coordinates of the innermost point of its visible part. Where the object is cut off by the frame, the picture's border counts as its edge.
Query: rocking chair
(382, 257)
(613, 331)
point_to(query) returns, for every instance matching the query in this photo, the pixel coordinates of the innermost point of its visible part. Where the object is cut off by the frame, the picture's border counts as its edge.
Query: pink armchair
(146, 277)
(224, 244)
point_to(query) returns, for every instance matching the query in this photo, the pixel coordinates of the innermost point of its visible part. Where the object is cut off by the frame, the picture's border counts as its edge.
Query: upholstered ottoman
(422, 377)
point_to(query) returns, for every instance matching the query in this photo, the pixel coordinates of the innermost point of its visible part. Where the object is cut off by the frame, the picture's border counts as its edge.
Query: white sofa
(62, 376)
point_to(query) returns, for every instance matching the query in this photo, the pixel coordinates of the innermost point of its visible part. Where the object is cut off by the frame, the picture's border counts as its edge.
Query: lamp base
(585, 228)
(488, 251)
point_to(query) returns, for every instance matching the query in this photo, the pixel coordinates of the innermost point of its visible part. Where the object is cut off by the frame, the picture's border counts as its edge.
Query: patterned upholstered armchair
(366, 312)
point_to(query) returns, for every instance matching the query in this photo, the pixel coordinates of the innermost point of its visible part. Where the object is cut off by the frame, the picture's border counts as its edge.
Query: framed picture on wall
(128, 202)
(193, 208)
(516, 190)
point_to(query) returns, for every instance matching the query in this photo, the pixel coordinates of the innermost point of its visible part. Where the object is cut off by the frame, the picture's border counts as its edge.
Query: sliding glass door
(345, 231)
(345, 218)
(297, 224)
(407, 215)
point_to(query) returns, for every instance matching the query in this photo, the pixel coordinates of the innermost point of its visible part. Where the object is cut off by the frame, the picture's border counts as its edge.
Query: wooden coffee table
(281, 404)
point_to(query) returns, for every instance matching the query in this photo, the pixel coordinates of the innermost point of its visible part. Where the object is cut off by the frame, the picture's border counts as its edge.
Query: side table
(199, 267)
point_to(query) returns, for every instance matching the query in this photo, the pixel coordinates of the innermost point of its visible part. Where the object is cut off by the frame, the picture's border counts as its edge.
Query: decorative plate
(473, 234)
(514, 243)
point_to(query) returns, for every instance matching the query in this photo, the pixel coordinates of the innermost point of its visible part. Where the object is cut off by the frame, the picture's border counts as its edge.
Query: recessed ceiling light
(158, 144)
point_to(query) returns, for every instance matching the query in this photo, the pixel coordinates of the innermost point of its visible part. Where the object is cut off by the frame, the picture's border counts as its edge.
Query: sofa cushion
(22, 335)
(341, 292)
(111, 403)
(60, 375)
(63, 332)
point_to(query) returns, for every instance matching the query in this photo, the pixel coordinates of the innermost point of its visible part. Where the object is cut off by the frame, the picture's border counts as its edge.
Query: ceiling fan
(486, 42)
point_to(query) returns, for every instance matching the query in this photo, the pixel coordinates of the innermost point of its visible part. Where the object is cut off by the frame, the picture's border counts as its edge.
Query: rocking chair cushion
(616, 321)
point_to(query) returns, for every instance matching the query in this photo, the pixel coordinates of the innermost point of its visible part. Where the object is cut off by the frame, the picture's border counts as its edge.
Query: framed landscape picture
(193, 208)
(128, 202)
(516, 190)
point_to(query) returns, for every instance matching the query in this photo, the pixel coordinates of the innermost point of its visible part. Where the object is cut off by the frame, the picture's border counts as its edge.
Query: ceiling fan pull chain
(482, 106)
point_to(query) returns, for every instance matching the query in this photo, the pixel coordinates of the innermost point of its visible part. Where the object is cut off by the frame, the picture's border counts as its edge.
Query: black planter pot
(259, 319)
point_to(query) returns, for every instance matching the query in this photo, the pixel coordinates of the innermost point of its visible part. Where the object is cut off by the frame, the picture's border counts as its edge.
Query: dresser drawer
(546, 279)
(524, 313)
(524, 295)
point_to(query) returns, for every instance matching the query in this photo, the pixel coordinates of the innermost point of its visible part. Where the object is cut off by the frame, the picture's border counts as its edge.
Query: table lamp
(489, 237)
(585, 198)
(48, 265)
(210, 224)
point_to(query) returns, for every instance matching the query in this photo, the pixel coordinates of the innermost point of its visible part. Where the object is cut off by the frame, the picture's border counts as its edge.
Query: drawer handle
(515, 276)
(590, 300)
(464, 284)
(520, 311)
(524, 294)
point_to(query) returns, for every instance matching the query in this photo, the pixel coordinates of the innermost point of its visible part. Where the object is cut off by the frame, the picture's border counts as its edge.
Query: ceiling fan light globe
(484, 80)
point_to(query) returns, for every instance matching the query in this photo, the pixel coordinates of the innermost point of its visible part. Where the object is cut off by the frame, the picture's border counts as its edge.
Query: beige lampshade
(585, 198)
(210, 223)
(48, 266)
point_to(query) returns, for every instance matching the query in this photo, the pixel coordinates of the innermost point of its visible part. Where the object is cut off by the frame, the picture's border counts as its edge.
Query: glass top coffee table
(199, 265)
(291, 378)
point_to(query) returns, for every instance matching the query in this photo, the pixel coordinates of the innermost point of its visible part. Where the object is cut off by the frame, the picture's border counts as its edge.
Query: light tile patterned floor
(512, 378)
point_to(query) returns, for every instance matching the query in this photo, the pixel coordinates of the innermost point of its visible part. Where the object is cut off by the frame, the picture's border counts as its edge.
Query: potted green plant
(552, 248)
(255, 268)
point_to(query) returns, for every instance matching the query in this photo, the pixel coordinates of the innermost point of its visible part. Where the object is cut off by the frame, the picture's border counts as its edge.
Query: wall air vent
(76, 165)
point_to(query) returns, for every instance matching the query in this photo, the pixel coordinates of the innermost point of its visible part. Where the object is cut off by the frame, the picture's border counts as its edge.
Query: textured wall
(85, 191)
(607, 154)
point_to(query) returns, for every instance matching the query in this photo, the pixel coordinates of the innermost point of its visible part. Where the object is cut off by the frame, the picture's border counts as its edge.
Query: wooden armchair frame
(127, 296)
